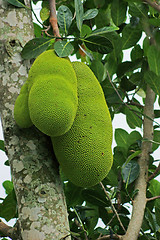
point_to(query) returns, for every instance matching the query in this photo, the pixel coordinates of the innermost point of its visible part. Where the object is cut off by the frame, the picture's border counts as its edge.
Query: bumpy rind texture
(84, 152)
(21, 110)
(52, 99)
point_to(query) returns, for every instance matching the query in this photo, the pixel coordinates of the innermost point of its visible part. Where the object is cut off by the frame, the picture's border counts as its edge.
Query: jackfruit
(84, 152)
(21, 110)
(52, 99)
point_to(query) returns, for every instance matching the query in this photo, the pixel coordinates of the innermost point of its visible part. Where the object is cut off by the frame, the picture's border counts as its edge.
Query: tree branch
(53, 18)
(153, 198)
(108, 237)
(115, 211)
(139, 203)
(153, 175)
(153, 4)
(11, 232)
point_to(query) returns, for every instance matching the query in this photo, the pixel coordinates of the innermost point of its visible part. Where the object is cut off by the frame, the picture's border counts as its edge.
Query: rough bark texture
(41, 202)
(141, 184)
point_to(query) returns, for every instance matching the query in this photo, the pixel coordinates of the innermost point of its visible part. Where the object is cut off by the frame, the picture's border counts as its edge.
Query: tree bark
(140, 200)
(41, 202)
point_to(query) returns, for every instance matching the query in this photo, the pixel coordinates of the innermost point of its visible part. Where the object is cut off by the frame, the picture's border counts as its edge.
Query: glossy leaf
(104, 30)
(94, 197)
(63, 48)
(16, 3)
(138, 9)
(89, 14)
(35, 47)
(136, 53)
(79, 13)
(153, 80)
(8, 208)
(156, 139)
(8, 186)
(121, 137)
(2, 145)
(153, 56)
(64, 17)
(130, 172)
(98, 44)
(118, 11)
(130, 36)
(134, 119)
(98, 69)
(44, 12)
(154, 188)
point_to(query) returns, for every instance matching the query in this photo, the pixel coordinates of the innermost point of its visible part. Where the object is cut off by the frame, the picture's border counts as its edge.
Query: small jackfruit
(21, 110)
(52, 99)
(84, 152)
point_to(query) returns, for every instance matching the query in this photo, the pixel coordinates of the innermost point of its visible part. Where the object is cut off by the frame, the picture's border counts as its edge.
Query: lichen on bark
(41, 202)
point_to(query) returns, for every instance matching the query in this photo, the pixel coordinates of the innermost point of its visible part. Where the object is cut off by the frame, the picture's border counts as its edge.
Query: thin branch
(152, 198)
(53, 18)
(108, 237)
(11, 232)
(153, 4)
(153, 175)
(115, 211)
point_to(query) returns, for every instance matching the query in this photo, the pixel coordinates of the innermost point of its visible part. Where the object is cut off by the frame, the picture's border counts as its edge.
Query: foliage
(98, 35)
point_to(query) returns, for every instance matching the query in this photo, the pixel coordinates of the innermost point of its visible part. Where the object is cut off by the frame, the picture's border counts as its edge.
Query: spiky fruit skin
(84, 152)
(21, 110)
(52, 99)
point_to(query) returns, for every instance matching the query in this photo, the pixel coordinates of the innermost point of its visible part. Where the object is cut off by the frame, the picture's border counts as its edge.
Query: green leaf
(153, 81)
(98, 69)
(156, 138)
(99, 3)
(79, 13)
(37, 30)
(136, 53)
(63, 48)
(128, 66)
(6, 163)
(130, 172)
(138, 9)
(104, 30)
(153, 56)
(2, 145)
(118, 11)
(121, 137)
(98, 44)
(16, 3)
(157, 213)
(154, 21)
(157, 113)
(72, 194)
(35, 47)
(89, 14)
(8, 186)
(44, 12)
(134, 137)
(94, 197)
(85, 31)
(130, 36)
(154, 189)
(64, 17)
(8, 208)
(103, 18)
(133, 118)
(133, 155)
(110, 65)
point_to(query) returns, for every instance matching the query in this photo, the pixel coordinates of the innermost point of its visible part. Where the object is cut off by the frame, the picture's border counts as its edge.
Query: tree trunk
(41, 202)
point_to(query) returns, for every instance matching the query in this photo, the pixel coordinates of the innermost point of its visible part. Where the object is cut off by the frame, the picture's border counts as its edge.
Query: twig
(154, 173)
(115, 211)
(80, 224)
(153, 4)
(53, 18)
(152, 198)
(108, 237)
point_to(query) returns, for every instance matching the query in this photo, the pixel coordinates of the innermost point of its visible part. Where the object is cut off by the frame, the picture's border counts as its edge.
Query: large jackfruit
(52, 101)
(21, 110)
(84, 152)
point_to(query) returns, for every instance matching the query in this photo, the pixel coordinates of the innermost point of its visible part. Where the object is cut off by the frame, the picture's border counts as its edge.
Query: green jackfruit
(84, 152)
(52, 99)
(21, 110)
